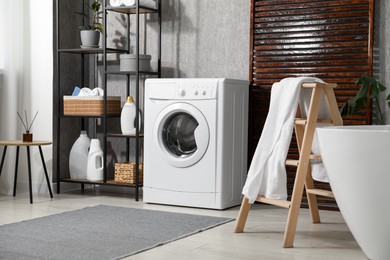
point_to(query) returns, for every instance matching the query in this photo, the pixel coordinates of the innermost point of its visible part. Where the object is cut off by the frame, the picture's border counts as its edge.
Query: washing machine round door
(182, 134)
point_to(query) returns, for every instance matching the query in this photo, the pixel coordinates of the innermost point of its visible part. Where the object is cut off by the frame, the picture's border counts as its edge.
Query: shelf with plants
(107, 132)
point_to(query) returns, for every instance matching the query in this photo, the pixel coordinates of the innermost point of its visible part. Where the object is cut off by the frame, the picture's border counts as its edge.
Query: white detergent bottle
(128, 117)
(79, 156)
(95, 161)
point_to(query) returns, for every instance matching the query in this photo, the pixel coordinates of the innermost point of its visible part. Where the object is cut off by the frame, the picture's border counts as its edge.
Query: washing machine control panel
(196, 90)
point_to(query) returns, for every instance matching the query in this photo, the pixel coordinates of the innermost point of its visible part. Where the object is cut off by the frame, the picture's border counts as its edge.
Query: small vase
(27, 137)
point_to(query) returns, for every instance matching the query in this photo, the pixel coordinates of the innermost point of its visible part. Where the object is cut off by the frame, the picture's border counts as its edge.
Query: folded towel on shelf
(116, 3)
(145, 3)
(91, 92)
(267, 172)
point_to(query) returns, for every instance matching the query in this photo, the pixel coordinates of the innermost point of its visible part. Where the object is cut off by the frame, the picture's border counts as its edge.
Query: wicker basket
(125, 172)
(91, 106)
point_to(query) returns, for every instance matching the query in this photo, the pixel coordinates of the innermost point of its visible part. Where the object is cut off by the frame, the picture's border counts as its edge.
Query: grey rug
(101, 232)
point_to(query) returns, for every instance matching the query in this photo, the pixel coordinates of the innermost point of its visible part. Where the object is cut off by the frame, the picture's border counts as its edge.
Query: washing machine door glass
(182, 134)
(178, 134)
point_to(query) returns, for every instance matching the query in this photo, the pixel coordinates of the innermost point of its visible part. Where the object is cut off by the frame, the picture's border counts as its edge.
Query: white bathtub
(357, 161)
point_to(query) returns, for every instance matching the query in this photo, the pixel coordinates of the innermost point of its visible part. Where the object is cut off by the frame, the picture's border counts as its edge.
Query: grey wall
(200, 38)
(382, 49)
(206, 38)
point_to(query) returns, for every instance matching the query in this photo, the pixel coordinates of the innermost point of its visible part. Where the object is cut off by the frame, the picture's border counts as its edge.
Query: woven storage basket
(91, 106)
(125, 172)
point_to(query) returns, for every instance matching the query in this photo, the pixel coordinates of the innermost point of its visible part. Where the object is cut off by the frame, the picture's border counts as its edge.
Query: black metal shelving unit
(136, 11)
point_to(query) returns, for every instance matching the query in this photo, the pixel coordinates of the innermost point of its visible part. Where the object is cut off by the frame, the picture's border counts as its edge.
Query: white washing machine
(195, 142)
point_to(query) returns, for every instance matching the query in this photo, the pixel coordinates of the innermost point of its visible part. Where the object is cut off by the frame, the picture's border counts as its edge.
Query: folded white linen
(91, 92)
(267, 172)
(116, 3)
(145, 3)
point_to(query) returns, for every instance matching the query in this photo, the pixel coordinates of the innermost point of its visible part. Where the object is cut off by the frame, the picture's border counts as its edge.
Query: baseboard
(22, 187)
(42, 187)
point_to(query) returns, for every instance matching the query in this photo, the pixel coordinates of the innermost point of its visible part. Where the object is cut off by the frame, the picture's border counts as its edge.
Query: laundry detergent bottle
(95, 161)
(79, 156)
(128, 117)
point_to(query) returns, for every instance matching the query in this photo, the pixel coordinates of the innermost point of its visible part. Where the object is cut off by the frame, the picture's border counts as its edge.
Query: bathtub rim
(355, 128)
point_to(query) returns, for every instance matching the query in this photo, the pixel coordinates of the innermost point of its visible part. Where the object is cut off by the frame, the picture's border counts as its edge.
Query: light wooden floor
(262, 238)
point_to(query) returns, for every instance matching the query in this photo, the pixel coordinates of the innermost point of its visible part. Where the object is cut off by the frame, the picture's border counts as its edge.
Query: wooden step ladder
(304, 131)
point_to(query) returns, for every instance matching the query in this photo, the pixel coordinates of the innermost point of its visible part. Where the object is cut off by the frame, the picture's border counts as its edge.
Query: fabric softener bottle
(128, 117)
(95, 162)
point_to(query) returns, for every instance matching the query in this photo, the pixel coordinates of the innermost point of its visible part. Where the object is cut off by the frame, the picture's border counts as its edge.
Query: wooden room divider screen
(331, 40)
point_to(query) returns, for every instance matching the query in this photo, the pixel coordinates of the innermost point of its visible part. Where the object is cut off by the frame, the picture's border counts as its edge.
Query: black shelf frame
(110, 182)
(119, 135)
(92, 50)
(132, 73)
(88, 116)
(140, 9)
(136, 10)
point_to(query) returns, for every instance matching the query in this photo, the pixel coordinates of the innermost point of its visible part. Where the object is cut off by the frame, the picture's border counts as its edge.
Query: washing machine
(195, 142)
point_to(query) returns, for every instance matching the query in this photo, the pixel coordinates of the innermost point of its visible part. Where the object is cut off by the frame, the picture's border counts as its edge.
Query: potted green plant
(370, 88)
(90, 33)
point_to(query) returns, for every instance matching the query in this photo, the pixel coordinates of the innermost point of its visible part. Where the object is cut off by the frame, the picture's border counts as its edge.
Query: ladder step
(313, 157)
(321, 85)
(320, 192)
(303, 121)
(291, 162)
(280, 203)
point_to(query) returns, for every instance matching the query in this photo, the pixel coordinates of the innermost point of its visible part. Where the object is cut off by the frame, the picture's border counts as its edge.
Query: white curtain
(21, 83)
(14, 87)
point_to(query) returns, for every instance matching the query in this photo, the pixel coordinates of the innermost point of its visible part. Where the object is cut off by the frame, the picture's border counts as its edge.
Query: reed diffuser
(27, 136)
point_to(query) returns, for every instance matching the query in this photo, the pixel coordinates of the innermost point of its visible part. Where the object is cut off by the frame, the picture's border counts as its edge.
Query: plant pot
(90, 38)
(128, 62)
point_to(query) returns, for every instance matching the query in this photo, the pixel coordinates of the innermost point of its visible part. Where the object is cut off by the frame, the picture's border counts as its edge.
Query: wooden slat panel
(309, 57)
(310, 11)
(331, 40)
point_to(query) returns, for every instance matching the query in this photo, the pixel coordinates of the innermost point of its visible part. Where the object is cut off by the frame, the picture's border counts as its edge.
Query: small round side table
(19, 143)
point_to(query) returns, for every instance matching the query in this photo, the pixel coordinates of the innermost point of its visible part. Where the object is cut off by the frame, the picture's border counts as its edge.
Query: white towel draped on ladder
(267, 173)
